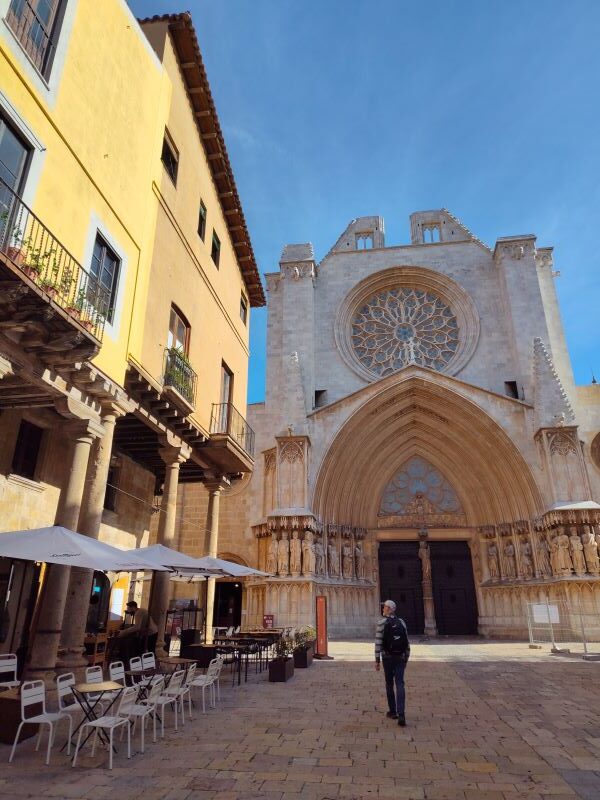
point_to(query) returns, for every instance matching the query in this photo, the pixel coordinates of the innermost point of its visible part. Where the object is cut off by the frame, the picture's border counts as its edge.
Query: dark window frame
(215, 250)
(244, 308)
(27, 147)
(202, 216)
(170, 157)
(26, 454)
(188, 328)
(24, 20)
(95, 279)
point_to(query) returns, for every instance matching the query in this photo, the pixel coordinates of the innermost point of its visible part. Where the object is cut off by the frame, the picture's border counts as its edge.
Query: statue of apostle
(295, 554)
(283, 555)
(308, 554)
(271, 565)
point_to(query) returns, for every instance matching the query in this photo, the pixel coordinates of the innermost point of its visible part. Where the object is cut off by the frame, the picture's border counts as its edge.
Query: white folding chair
(135, 665)
(208, 681)
(95, 675)
(116, 672)
(229, 631)
(8, 670)
(148, 661)
(33, 693)
(175, 691)
(64, 689)
(154, 700)
(109, 723)
(157, 700)
(134, 711)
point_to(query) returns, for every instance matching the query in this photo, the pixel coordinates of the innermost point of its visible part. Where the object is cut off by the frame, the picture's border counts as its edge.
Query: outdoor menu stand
(10, 714)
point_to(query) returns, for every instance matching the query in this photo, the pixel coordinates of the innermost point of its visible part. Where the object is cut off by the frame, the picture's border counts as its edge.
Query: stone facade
(418, 392)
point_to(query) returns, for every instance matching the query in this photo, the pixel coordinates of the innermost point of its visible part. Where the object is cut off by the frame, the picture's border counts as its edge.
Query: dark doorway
(228, 604)
(400, 580)
(453, 589)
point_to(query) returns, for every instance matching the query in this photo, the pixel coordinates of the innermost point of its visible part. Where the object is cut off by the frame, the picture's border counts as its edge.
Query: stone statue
(492, 559)
(359, 560)
(295, 554)
(319, 557)
(425, 557)
(554, 559)
(543, 557)
(526, 560)
(333, 560)
(308, 554)
(347, 561)
(590, 549)
(510, 564)
(283, 555)
(577, 555)
(272, 555)
(563, 557)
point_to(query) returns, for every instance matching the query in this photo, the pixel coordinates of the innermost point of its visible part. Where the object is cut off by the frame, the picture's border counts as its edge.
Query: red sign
(321, 625)
(268, 620)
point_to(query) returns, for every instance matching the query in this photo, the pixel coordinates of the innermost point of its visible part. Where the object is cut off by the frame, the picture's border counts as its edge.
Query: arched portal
(465, 472)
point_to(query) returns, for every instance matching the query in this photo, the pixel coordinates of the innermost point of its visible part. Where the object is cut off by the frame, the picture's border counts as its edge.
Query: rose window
(403, 326)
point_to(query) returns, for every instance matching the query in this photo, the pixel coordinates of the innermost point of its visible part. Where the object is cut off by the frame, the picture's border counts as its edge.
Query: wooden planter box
(281, 671)
(303, 658)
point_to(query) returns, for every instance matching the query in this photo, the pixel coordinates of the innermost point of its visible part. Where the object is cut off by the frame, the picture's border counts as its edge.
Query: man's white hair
(390, 604)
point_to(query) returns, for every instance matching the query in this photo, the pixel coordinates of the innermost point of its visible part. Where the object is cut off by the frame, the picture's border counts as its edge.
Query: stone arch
(415, 414)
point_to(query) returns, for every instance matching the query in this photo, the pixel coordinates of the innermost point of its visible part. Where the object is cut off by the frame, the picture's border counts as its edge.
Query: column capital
(112, 408)
(84, 429)
(172, 455)
(215, 483)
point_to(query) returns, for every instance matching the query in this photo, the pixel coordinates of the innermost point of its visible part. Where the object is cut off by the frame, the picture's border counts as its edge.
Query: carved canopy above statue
(418, 495)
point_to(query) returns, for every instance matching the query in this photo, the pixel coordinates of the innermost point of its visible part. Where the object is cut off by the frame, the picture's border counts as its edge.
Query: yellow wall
(102, 133)
(183, 272)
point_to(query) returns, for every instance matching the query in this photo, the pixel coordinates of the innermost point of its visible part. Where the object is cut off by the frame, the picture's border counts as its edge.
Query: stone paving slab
(486, 721)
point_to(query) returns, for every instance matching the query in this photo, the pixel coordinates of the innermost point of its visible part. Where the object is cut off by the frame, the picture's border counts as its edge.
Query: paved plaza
(486, 721)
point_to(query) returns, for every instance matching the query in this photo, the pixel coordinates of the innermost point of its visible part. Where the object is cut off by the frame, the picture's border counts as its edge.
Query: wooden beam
(231, 211)
(198, 90)
(235, 228)
(226, 194)
(210, 136)
(215, 156)
(240, 244)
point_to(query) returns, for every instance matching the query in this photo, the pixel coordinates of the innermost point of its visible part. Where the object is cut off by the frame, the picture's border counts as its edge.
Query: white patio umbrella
(57, 545)
(229, 568)
(163, 556)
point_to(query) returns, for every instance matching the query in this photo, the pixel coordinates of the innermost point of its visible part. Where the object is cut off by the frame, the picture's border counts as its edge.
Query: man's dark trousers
(393, 668)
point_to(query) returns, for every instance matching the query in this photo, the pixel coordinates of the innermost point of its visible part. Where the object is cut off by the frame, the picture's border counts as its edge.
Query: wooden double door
(400, 579)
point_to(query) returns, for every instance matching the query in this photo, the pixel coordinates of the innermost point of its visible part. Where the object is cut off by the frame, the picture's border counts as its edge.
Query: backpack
(395, 638)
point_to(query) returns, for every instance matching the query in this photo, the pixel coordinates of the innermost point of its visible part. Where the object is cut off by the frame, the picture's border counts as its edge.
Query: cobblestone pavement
(486, 721)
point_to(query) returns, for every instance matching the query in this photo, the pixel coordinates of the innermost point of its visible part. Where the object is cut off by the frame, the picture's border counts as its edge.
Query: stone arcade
(422, 437)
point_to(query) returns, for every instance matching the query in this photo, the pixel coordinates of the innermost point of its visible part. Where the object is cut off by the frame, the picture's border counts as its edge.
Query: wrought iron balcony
(39, 255)
(180, 376)
(225, 419)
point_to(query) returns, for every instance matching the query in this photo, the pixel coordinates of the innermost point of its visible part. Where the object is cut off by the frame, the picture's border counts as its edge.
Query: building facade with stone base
(422, 437)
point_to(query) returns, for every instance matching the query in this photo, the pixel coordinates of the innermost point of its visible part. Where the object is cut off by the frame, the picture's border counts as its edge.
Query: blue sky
(334, 109)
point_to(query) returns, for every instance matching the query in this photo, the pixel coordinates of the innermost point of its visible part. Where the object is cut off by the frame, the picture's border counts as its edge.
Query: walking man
(393, 648)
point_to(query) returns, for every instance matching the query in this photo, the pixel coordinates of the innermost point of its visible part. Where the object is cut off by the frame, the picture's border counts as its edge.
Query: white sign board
(116, 602)
(544, 613)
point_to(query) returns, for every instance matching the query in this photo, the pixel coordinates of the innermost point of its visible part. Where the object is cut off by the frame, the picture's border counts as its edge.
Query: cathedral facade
(422, 438)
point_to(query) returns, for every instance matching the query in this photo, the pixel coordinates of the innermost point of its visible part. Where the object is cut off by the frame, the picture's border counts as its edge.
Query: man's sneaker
(401, 720)
(391, 715)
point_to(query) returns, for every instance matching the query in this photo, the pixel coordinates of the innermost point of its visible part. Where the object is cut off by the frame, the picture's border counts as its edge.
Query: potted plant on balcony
(304, 647)
(15, 249)
(78, 306)
(281, 668)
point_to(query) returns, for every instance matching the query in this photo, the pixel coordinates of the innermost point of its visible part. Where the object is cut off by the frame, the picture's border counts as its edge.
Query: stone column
(54, 595)
(428, 606)
(212, 523)
(173, 458)
(72, 649)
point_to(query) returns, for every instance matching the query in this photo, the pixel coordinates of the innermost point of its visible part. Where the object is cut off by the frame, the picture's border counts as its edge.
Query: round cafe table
(89, 696)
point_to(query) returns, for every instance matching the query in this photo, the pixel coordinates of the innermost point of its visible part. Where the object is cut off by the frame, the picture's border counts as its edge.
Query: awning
(57, 545)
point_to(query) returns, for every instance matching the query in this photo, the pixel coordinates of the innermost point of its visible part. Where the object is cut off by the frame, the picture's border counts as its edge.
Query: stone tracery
(404, 325)
(419, 477)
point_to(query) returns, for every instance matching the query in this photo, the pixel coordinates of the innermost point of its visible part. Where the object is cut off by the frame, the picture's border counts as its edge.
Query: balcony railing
(226, 419)
(32, 31)
(26, 241)
(180, 375)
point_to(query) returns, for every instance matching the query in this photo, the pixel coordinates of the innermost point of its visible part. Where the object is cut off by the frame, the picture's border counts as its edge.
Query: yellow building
(115, 321)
